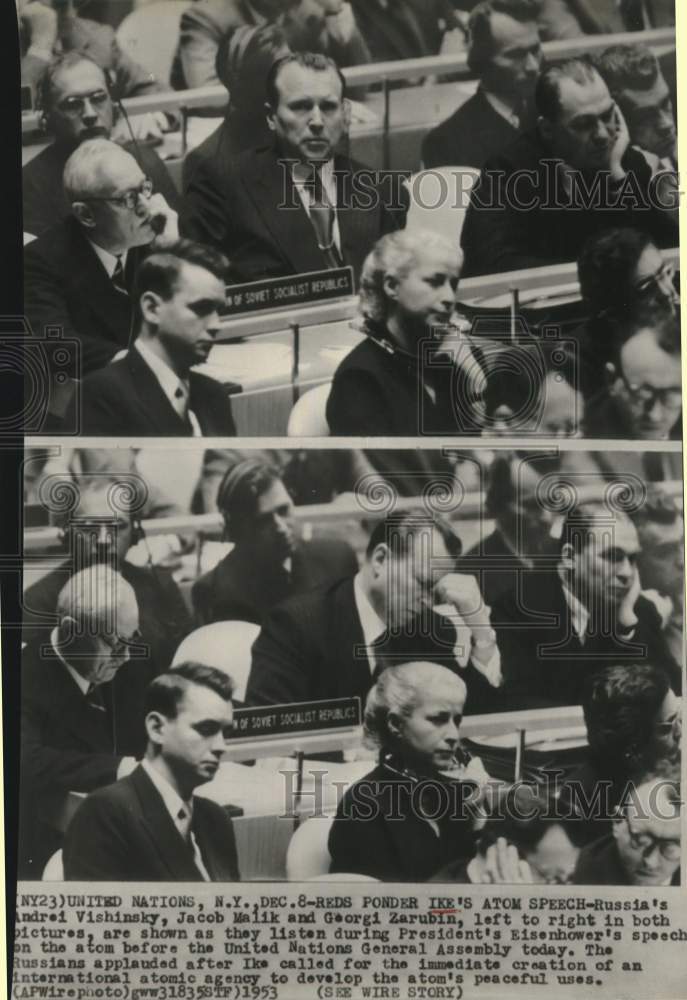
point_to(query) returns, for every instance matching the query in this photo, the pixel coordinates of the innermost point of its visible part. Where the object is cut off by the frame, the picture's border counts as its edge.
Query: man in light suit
(179, 294)
(296, 206)
(150, 826)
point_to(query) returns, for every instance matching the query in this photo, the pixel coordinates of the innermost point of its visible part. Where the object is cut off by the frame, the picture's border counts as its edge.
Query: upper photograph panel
(418, 218)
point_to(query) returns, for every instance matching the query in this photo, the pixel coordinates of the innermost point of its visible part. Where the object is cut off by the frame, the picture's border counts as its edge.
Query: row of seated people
(353, 33)
(330, 629)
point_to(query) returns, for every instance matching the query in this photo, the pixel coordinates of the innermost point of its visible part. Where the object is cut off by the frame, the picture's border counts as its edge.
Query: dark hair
(307, 60)
(160, 271)
(531, 811)
(520, 369)
(606, 268)
(165, 692)
(502, 483)
(627, 67)
(398, 530)
(659, 507)
(582, 518)
(244, 59)
(240, 489)
(481, 46)
(620, 705)
(44, 87)
(547, 95)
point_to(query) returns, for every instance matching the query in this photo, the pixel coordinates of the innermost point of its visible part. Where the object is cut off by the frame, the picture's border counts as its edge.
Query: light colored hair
(395, 254)
(86, 171)
(400, 690)
(94, 597)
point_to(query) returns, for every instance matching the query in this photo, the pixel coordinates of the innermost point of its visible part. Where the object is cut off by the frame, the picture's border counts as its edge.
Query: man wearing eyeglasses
(644, 846)
(661, 529)
(79, 714)
(78, 275)
(149, 826)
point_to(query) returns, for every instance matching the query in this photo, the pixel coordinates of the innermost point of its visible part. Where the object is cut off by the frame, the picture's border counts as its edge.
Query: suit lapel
(90, 726)
(346, 627)
(92, 282)
(158, 413)
(169, 845)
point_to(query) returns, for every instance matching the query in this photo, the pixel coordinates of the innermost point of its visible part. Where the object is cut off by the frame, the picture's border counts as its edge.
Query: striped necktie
(118, 277)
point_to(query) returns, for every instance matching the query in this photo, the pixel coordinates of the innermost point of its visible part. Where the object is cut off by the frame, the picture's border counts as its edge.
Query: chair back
(439, 200)
(54, 870)
(307, 855)
(224, 645)
(308, 418)
(150, 35)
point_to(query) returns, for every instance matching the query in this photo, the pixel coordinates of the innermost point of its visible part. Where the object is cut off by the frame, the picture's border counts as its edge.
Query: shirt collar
(503, 109)
(107, 259)
(579, 615)
(302, 173)
(168, 379)
(82, 682)
(171, 798)
(372, 625)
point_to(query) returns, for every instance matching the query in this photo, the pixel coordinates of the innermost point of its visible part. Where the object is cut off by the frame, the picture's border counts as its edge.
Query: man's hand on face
(501, 865)
(42, 22)
(627, 619)
(341, 24)
(165, 221)
(462, 591)
(620, 146)
(148, 126)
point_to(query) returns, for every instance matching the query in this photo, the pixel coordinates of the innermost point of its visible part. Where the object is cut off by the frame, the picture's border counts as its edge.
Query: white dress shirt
(171, 385)
(302, 173)
(372, 625)
(107, 259)
(180, 811)
(503, 109)
(579, 616)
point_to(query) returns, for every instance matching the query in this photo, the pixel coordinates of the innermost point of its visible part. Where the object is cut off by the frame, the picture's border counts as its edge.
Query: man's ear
(611, 377)
(269, 113)
(379, 559)
(568, 556)
(83, 212)
(545, 128)
(155, 725)
(149, 304)
(390, 286)
(346, 107)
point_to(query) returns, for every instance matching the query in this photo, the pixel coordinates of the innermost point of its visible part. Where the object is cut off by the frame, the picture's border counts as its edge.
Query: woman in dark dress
(416, 372)
(417, 809)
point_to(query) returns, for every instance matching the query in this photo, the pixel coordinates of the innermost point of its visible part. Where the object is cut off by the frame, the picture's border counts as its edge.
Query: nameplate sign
(295, 290)
(301, 717)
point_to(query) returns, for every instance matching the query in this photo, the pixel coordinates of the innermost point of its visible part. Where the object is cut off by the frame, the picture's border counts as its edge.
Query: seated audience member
(533, 388)
(273, 218)
(634, 78)
(411, 814)
(641, 15)
(522, 536)
(562, 626)
(643, 397)
(505, 54)
(53, 28)
(633, 720)
(404, 29)
(96, 534)
(643, 848)
(391, 383)
(149, 826)
(661, 561)
(333, 642)
(324, 26)
(268, 562)
(573, 175)
(560, 20)
(75, 103)
(178, 296)
(80, 706)
(77, 275)
(624, 280)
(244, 60)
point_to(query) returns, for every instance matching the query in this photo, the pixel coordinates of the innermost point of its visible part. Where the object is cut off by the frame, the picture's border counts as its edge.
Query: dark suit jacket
(237, 589)
(366, 840)
(498, 235)
(543, 662)
(65, 285)
(494, 564)
(44, 201)
(68, 745)
(599, 864)
(124, 833)
(405, 29)
(306, 651)
(468, 137)
(164, 620)
(232, 203)
(125, 398)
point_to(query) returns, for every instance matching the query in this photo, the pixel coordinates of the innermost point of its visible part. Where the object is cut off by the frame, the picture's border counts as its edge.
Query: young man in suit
(268, 562)
(334, 641)
(78, 274)
(298, 205)
(505, 54)
(178, 297)
(80, 705)
(150, 826)
(76, 103)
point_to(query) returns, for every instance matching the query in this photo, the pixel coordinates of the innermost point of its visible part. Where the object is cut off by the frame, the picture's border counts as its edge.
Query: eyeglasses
(670, 726)
(661, 281)
(644, 842)
(669, 396)
(128, 199)
(119, 643)
(74, 106)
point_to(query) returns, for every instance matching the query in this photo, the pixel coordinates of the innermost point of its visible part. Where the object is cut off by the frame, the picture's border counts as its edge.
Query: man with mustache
(150, 826)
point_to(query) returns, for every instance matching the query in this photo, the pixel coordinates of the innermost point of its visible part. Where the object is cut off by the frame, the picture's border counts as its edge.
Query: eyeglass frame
(653, 282)
(654, 842)
(93, 98)
(659, 393)
(121, 642)
(144, 190)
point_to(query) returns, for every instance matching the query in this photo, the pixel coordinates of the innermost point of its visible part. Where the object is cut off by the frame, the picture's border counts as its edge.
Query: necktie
(118, 276)
(322, 219)
(94, 697)
(181, 405)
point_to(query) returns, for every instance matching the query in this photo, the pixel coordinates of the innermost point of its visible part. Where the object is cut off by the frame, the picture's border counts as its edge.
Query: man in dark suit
(505, 54)
(334, 641)
(569, 178)
(150, 826)
(80, 706)
(76, 104)
(78, 274)
(98, 532)
(268, 562)
(296, 206)
(178, 296)
(560, 626)
(404, 29)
